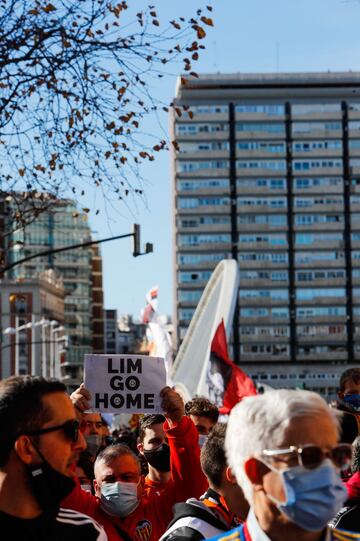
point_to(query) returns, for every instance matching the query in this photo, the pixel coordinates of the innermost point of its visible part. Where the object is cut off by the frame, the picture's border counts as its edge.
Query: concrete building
(98, 340)
(111, 331)
(62, 225)
(39, 303)
(268, 172)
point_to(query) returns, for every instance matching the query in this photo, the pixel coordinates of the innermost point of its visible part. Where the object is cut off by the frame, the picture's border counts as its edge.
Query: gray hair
(110, 453)
(259, 422)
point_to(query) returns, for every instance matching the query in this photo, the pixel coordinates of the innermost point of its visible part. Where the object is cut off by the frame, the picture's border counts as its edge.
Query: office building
(38, 304)
(268, 172)
(61, 225)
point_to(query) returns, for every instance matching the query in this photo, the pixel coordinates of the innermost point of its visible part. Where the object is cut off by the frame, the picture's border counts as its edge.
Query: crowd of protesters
(283, 466)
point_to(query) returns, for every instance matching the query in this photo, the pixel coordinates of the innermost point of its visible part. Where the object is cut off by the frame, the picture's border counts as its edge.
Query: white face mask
(119, 499)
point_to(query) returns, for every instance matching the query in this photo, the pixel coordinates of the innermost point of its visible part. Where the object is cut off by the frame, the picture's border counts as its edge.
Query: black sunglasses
(70, 429)
(311, 456)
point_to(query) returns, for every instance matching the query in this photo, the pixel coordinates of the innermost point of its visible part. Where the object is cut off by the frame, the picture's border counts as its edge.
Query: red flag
(228, 384)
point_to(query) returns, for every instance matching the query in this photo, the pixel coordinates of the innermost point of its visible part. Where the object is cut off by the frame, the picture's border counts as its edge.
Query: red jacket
(150, 519)
(353, 486)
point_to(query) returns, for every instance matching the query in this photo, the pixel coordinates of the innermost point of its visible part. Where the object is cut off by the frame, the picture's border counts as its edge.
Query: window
(196, 240)
(310, 294)
(271, 183)
(319, 311)
(269, 127)
(275, 240)
(193, 259)
(194, 185)
(263, 146)
(271, 202)
(193, 129)
(194, 276)
(308, 127)
(306, 165)
(262, 219)
(305, 183)
(265, 349)
(195, 202)
(189, 296)
(186, 147)
(271, 110)
(308, 219)
(310, 257)
(190, 167)
(313, 238)
(309, 146)
(264, 256)
(306, 108)
(209, 109)
(274, 294)
(261, 164)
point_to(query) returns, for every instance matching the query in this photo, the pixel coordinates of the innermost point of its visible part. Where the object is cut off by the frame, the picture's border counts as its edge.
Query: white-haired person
(283, 448)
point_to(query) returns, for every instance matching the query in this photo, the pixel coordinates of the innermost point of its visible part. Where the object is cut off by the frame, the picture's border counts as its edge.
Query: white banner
(125, 383)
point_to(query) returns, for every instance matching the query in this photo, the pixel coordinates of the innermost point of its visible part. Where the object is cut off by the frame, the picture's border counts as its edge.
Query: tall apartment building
(268, 172)
(62, 225)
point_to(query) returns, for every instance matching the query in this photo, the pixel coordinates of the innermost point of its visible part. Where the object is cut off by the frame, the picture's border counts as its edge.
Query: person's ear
(25, 449)
(230, 476)
(96, 487)
(140, 448)
(255, 470)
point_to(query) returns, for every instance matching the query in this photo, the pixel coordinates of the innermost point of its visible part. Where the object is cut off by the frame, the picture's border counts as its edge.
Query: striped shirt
(66, 525)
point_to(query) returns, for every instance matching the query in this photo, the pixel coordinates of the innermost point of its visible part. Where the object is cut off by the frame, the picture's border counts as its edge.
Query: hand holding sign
(81, 399)
(172, 405)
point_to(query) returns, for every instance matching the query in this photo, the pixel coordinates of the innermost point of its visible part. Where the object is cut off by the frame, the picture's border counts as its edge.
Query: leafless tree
(74, 92)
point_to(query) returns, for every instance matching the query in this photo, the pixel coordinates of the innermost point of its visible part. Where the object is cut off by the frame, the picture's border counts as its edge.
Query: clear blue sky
(249, 36)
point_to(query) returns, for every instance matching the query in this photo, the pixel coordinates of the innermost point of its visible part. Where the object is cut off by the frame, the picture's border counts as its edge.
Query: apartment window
(191, 167)
(186, 147)
(194, 185)
(265, 349)
(262, 219)
(189, 296)
(209, 109)
(193, 259)
(194, 202)
(261, 201)
(271, 110)
(320, 311)
(274, 294)
(271, 183)
(264, 256)
(309, 108)
(196, 240)
(309, 276)
(261, 164)
(309, 127)
(268, 127)
(305, 183)
(262, 146)
(195, 276)
(275, 276)
(311, 257)
(307, 165)
(193, 129)
(320, 330)
(308, 219)
(311, 238)
(309, 146)
(310, 294)
(275, 240)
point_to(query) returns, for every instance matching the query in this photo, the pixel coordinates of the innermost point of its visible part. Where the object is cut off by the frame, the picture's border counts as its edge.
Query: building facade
(268, 173)
(38, 303)
(62, 225)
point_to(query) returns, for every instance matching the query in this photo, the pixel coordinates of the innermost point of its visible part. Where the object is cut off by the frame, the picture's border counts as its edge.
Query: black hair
(212, 457)
(22, 409)
(147, 421)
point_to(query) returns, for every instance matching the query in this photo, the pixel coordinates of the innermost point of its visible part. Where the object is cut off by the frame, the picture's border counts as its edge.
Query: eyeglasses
(70, 429)
(311, 456)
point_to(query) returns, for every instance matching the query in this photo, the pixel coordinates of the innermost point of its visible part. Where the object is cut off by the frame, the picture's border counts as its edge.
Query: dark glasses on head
(70, 429)
(311, 456)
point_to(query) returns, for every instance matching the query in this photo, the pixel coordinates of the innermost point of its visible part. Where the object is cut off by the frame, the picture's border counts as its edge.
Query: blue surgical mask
(354, 400)
(202, 439)
(313, 497)
(119, 499)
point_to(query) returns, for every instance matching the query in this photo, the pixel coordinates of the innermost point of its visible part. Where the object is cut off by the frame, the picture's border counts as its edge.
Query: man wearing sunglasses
(282, 447)
(39, 445)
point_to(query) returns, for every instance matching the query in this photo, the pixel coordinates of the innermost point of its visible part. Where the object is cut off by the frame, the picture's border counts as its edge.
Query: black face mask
(49, 486)
(159, 458)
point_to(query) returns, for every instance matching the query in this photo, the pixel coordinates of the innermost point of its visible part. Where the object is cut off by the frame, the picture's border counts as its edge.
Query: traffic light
(136, 240)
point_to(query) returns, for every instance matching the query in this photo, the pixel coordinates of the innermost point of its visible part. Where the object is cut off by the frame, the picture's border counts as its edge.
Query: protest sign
(125, 383)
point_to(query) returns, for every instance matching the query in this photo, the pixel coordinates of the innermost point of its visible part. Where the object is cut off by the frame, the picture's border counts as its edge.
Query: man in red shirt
(120, 505)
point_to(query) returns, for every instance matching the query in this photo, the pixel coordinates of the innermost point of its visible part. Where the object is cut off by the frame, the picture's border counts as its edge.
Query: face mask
(119, 499)
(313, 497)
(93, 442)
(159, 458)
(87, 488)
(353, 400)
(49, 486)
(202, 439)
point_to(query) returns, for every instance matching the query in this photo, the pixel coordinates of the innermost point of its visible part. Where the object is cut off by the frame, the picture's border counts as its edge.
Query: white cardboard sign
(125, 383)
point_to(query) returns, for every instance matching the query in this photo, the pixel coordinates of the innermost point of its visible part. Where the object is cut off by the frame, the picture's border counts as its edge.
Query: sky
(250, 36)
